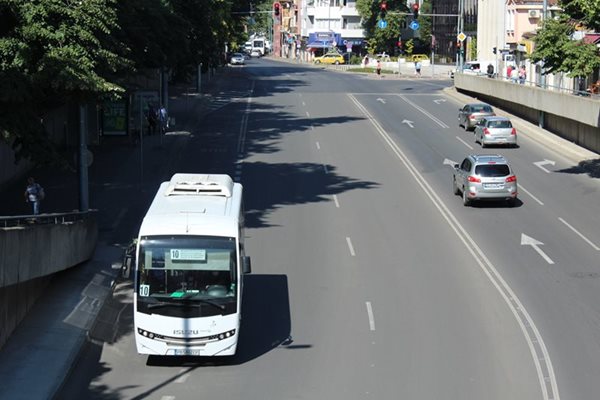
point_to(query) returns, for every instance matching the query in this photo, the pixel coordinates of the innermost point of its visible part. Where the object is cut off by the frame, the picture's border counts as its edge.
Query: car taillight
(486, 131)
(513, 132)
(511, 178)
(473, 179)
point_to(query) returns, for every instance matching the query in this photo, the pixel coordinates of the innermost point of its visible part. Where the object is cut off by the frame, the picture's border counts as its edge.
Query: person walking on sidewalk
(418, 69)
(379, 68)
(163, 119)
(34, 194)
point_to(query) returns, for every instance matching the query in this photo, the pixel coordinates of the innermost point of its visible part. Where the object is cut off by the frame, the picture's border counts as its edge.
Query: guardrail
(53, 218)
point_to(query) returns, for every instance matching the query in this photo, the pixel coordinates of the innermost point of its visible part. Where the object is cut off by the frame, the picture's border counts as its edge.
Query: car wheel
(455, 189)
(466, 200)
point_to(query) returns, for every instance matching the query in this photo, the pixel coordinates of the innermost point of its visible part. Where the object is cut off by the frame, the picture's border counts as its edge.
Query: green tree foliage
(425, 28)
(555, 46)
(382, 39)
(54, 51)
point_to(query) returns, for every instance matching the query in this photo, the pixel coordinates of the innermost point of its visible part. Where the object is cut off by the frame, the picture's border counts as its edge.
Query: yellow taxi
(330, 58)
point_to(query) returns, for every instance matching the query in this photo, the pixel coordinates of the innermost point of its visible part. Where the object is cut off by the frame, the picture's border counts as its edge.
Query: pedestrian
(509, 71)
(522, 75)
(514, 75)
(418, 68)
(365, 61)
(490, 70)
(34, 194)
(379, 68)
(163, 119)
(151, 117)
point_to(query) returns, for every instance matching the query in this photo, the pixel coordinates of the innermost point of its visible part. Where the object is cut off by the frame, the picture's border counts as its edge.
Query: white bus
(189, 265)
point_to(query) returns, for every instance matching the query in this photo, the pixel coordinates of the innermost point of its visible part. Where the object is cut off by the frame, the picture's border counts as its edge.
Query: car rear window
(492, 170)
(499, 124)
(482, 108)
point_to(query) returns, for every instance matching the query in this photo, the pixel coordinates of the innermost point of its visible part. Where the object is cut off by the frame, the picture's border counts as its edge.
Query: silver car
(237, 59)
(495, 130)
(470, 114)
(485, 177)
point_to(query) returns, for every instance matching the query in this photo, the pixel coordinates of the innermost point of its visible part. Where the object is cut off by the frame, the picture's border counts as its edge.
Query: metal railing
(53, 218)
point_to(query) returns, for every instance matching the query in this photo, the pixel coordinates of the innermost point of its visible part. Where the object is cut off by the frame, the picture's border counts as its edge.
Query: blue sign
(414, 25)
(382, 24)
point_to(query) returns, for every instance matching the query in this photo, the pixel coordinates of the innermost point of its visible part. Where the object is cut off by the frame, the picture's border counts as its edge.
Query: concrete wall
(574, 118)
(29, 255)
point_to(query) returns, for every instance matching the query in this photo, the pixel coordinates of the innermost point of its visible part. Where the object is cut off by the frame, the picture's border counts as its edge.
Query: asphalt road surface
(370, 278)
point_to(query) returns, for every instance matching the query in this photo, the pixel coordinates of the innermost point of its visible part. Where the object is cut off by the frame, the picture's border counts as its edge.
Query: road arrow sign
(540, 164)
(381, 100)
(407, 122)
(438, 101)
(449, 162)
(529, 241)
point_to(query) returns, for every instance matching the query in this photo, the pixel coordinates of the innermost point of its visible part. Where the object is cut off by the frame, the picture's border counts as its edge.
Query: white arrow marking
(438, 101)
(449, 162)
(529, 241)
(540, 164)
(407, 122)
(381, 100)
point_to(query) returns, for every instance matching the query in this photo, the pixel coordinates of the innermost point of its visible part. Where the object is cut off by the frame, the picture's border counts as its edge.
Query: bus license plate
(187, 352)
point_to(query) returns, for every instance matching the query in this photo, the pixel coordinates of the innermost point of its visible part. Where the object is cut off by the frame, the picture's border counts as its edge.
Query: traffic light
(383, 10)
(399, 43)
(276, 9)
(494, 50)
(415, 9)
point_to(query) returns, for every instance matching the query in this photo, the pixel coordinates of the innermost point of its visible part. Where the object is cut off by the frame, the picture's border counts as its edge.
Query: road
(370, 278)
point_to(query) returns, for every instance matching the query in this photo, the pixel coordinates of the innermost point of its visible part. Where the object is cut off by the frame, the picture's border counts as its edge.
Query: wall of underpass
(30, 254)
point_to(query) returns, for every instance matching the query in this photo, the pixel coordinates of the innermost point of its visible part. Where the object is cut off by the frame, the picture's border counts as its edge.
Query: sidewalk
(42, 350)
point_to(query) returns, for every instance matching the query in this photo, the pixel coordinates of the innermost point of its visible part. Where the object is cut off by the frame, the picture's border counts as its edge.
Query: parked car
(495, 130)
(485, 177)
(256, 53)
(330, 58)
(417, 57)
(237, 59)
(471, 113)
(469, 67)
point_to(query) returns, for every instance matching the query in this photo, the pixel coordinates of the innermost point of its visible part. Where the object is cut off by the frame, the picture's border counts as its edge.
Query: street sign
(461, 36)
(414, 25)
(382, 24)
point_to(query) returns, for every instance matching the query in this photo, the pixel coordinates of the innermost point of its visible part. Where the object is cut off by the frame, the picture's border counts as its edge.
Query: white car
(237, 59)
(256, 53)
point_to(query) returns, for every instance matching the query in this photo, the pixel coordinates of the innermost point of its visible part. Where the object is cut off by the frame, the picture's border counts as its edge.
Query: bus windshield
(183, 275)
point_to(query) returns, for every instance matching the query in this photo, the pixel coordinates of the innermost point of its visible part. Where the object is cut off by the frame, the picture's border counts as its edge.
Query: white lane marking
(579, 234)
(381, 100)
(318, 146)
(428, 114)
(520, 187)
(540, 164)
(335, 200)
(244, 124)
(304, 104)
(371, 318)
(465, 143)
(438, 101)
(307, 114)
(167, 398)
(409, 123)
(325, 168)
(537, 347)
(449, 162)
(183, 375)
(529, 241)
(352, 253)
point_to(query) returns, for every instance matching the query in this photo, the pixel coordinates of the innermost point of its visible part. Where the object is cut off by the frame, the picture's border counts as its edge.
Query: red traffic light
(276, 9)
(399, 43)
(383, 6)
(415, 9)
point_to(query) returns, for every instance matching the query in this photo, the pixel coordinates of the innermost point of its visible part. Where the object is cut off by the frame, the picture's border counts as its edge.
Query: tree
(382, 39)
(556, 47)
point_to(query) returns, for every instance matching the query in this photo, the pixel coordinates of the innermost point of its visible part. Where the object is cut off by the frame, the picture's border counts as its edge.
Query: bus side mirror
(246, 265)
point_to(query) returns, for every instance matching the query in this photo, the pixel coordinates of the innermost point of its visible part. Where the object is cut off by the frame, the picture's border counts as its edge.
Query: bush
(354, 59)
